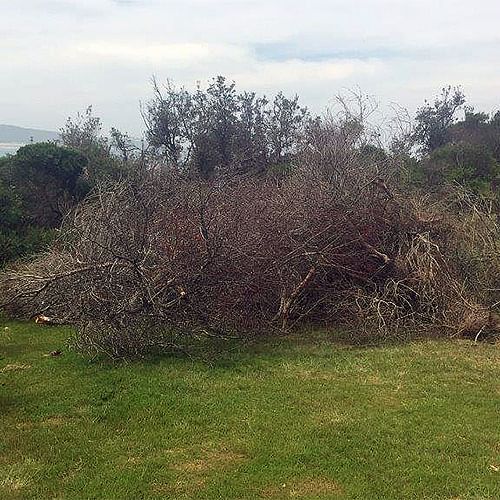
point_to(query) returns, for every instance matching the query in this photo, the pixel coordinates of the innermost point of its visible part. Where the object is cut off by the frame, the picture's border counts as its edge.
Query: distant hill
(21, 135)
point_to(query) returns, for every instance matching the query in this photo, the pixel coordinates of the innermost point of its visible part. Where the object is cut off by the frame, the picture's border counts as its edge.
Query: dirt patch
(304, 488)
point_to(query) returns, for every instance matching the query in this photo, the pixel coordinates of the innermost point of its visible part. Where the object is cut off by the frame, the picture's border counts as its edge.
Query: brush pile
(336, 240)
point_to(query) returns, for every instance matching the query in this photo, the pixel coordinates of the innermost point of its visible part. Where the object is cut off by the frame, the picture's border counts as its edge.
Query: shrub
(469, 165)
(48, 181)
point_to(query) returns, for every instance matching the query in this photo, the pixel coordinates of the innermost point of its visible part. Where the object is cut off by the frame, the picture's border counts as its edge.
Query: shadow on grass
(218, 352)
(230, 352)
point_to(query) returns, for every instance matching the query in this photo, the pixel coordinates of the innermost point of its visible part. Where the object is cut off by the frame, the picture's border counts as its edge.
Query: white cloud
(298, 72)
(178, 54)
(60, 55)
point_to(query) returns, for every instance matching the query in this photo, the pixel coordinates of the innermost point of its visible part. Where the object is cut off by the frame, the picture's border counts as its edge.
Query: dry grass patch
(185, 487)
(304, 488)
(218, 458)
(314, 375)
(55, 421)
(326, 418)
(51, 422)
(18, 476)
(14, 367)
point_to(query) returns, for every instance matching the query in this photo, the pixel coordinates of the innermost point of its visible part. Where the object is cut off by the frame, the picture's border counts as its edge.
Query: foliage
(84, 134)
(47, 179)
(123, 144)
(249, 215)
(23, 241)
(10, 216)
(38, 185)
(42, 182)
(480, 130)
(434, 120)
(220, 129)
(10, 206)
(467, 164)
(464, 151)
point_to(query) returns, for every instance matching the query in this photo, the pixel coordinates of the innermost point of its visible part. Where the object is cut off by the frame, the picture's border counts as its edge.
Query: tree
(435, 120)
(250, 142)
(17, 236)
(123, 144)
(10, 216)
(169, 118)
(284, 121)
(479, 129)
(219, 129)
(216, 111)
(84, 134)
(48, 180)
(470, 165)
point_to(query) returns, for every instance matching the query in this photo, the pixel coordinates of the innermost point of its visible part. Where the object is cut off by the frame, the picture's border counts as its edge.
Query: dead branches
(331, 243)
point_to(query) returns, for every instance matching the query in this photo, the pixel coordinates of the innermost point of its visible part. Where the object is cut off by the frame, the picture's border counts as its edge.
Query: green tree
(16, 237)
(470, 165)
(84, 134)
(48, 180)
(220, 129)
(434, 120)
(479, 129)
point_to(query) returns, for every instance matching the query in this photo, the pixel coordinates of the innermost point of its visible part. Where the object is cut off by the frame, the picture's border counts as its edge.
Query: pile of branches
(159, 256)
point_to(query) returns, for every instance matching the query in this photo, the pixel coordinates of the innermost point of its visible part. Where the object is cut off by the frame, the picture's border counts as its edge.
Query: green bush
(469, 165)
(38, 185)
(19, 242)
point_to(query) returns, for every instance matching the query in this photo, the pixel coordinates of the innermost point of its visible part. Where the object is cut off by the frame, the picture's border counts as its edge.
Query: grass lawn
(289, 418)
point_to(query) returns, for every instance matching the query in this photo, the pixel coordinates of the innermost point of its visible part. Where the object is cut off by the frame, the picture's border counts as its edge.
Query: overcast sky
(58, 56)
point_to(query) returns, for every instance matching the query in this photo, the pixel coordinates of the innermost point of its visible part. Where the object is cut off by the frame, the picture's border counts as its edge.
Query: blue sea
(9, 148)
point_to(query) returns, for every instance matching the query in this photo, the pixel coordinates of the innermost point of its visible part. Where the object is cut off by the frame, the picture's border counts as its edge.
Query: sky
(59, 56)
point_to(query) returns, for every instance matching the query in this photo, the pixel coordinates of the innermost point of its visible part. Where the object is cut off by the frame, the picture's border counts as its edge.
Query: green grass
(289, 418)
